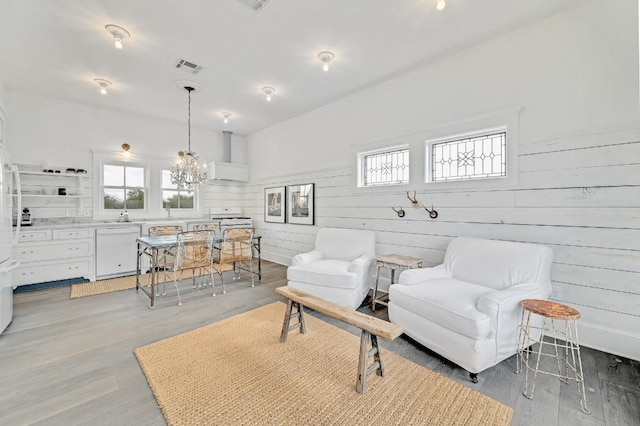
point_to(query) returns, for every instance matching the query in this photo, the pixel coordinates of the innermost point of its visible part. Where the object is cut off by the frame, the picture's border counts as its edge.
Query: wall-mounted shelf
(54, 175)
(40, 191)
(51, 196)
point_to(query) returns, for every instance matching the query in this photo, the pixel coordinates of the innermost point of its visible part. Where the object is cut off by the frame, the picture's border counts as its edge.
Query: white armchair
(337, 269)
(468, 308)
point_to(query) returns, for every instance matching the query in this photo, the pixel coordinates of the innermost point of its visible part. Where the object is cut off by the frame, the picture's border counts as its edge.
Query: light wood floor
(71, 362)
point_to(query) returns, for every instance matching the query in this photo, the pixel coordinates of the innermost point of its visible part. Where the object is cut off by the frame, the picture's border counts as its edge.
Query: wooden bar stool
(533, 330)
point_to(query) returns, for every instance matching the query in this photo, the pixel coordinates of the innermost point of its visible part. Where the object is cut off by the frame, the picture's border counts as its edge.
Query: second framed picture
(274, 204)
(300, 204)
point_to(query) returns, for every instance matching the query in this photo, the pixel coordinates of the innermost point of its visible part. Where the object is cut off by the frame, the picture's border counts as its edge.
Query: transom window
(480, 156)
(174, 197)
(124, 187)
(384, 167)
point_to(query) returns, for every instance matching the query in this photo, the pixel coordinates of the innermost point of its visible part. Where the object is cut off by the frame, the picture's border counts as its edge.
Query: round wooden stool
(539, 318)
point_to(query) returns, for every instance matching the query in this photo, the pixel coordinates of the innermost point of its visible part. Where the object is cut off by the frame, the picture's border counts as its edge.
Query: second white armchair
(467, 309)
(337, 269)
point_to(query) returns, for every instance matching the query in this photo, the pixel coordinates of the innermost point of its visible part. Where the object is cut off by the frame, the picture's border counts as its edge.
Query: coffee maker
(26, 217)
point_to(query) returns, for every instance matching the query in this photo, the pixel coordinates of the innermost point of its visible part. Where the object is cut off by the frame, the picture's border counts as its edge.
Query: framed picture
(300, 204)
(274, 204)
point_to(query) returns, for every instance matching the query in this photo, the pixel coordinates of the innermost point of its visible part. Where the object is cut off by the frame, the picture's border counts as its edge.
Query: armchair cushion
(446, 301)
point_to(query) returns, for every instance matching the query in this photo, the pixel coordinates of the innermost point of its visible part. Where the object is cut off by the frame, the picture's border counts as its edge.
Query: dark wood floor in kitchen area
(70, 361)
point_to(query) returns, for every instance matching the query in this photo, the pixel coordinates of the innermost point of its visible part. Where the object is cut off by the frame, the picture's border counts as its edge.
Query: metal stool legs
(569, 363)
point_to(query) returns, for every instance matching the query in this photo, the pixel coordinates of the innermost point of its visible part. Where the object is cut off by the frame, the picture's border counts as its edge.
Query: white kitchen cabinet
(52, 270)
(116, 251)
(51, 255)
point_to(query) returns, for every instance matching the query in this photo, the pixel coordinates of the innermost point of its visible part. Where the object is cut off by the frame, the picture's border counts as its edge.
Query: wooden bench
(371, 328)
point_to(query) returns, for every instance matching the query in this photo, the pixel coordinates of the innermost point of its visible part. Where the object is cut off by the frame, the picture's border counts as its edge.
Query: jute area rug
(103, 286)
(236, 372)
(125, 283)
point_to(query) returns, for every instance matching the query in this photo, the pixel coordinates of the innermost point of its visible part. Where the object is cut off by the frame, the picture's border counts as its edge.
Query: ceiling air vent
(188, 66)
(256, 5)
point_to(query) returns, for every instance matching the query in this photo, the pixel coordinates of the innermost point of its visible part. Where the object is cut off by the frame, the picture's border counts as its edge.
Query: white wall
(575, 76)
(573, 71)
(64, 134)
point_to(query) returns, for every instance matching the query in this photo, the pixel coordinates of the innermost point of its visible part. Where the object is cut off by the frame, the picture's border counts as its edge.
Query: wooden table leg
(299, 314)
(375, 289)
(365, 353)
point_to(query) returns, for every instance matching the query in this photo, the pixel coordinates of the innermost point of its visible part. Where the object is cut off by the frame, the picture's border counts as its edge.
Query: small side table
(393, 262)
(532, 331)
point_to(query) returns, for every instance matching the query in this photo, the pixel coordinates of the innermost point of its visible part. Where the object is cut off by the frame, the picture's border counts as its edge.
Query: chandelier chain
(189, 89)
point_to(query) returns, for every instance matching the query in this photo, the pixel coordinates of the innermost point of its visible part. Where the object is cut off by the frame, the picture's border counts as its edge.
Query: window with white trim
(481, 155)
(389, 166)
(174, 197)
(124, 187)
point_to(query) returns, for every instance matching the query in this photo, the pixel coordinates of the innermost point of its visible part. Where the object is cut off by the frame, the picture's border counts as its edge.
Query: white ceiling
(56, 48)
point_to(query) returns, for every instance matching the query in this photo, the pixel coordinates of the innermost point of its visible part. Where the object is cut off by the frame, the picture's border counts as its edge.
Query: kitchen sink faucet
(168, 211)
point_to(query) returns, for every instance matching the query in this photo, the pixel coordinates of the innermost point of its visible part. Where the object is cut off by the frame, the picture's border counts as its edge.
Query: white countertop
(110, 223)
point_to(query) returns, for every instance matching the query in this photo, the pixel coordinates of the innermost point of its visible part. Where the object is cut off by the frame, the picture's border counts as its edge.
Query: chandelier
(186, 173)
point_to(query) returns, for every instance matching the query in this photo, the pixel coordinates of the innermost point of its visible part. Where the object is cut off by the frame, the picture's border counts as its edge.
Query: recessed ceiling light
(268, 90)
(326, 57)
(440, 4)
(118, 34)
(103, 84)
(225, 116)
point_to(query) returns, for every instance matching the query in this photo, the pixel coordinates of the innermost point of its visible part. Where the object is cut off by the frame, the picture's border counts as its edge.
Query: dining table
(153, 246)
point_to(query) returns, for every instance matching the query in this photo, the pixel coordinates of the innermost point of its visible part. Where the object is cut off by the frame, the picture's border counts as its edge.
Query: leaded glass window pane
(476, 157)
(386, 167)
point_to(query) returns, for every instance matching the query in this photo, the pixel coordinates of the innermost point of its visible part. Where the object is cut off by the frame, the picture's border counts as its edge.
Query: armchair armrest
(509, 298)
(505, 312)
(418, 275)
(360, 264)
(302, 258)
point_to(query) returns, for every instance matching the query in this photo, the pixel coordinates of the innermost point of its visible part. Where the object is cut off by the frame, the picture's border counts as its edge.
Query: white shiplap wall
(578, 194)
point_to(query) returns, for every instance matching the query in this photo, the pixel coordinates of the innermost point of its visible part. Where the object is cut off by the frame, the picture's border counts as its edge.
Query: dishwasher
(116, 251)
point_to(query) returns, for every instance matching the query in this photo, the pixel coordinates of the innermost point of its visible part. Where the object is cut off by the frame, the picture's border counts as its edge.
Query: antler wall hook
(400, 212)
(413, 200)
(432, 213)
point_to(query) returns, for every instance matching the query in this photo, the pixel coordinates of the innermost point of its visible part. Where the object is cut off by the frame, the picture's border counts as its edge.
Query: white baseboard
(608, 340)
(277, 258)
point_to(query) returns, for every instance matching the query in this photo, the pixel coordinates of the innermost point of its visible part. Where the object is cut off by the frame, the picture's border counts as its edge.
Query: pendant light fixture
(186, 174)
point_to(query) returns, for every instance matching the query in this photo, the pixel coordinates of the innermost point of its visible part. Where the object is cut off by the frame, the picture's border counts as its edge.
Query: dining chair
(167, 257)
(235, 253)
(207, 227)
(194, 252)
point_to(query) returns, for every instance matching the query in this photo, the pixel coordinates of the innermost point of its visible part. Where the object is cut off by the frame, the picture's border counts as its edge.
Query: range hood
(227, 170)
(217, 170)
